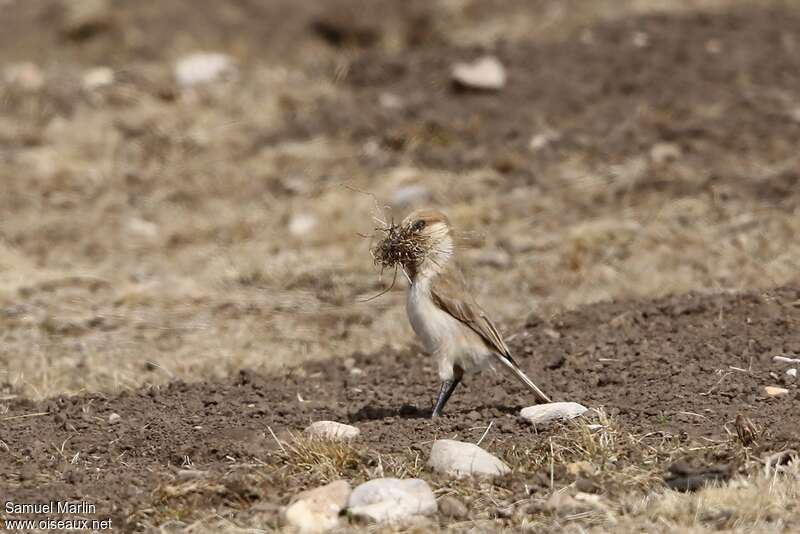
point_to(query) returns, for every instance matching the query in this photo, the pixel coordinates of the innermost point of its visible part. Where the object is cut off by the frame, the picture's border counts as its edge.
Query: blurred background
(183, 183)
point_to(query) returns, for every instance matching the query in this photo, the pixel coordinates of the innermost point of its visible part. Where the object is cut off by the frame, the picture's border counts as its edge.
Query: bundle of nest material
(402, 246)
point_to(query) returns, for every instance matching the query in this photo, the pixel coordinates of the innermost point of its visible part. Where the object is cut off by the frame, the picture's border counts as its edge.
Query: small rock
(640, 39)
(301, 224)
(484, 74)
(143, 229)
(114, 418)
(27, 76)
(332, 430)
(97, 78)
(792, 372)
(317, 510)
(200, 68)
(84, 18)
(390, 499)
(458, 458)
(662, 153)
(390, 101)
(543, 140)
(774, 391)
(553, 334)
(543, 413)
(714, 46)
(452, 507)
(409, 195)
(295, 185)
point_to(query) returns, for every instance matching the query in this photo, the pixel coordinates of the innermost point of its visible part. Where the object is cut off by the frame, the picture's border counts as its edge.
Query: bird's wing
(450, 293)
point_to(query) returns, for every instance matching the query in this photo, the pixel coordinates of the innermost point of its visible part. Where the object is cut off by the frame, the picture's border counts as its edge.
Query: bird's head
(431, 229)
(421, 244)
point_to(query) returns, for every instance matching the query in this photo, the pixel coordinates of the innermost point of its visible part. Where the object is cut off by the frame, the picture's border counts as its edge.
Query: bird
(443, 312)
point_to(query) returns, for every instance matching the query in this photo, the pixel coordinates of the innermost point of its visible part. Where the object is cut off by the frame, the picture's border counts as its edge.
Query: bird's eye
(419, 225)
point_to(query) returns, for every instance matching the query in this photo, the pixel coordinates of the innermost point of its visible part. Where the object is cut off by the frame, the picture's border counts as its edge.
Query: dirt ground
(672, 371)
(191, 259)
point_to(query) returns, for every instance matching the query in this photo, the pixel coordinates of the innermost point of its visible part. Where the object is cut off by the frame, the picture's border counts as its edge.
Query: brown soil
(698, 80)
(663, 368)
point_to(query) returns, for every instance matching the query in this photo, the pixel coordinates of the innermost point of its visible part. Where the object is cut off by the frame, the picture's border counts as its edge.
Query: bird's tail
(522, 377)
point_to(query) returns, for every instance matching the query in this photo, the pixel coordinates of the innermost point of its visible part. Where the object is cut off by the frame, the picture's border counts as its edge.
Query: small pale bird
(443, 312)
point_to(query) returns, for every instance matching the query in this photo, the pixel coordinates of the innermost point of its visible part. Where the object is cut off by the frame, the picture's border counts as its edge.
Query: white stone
(714, 46)
(141, 228)
(27, 76)
(408, 195)
(392, 499)
(774, 391)
(97, 78)
(114, 418)
(661, 153)
(201, 67)
(784, 359)
(457, 458)
(390, 101)
(332, 430)
(543, 413)
(301, 224)
(486, 73)
(543, 140)
(792, 372)
(640, 39)
(317, 510)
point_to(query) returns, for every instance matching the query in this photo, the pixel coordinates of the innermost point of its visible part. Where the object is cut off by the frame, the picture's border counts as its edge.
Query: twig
(276, 439)
(552, 467)
(487, 431)
(707, 393)
(24, 416)
(381, 293)
(784, 359)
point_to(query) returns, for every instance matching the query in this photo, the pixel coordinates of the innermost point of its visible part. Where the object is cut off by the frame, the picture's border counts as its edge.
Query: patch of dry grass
(324, 459)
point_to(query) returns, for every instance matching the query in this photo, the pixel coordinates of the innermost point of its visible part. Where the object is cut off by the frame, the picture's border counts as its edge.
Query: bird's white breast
(449, 340)
(433, 326)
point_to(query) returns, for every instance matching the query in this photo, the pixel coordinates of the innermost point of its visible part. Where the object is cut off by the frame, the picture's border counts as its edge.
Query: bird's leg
(448, 386)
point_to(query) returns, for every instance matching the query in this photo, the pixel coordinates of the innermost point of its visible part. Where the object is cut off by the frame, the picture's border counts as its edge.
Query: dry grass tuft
(326, 459)
(756, 503)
